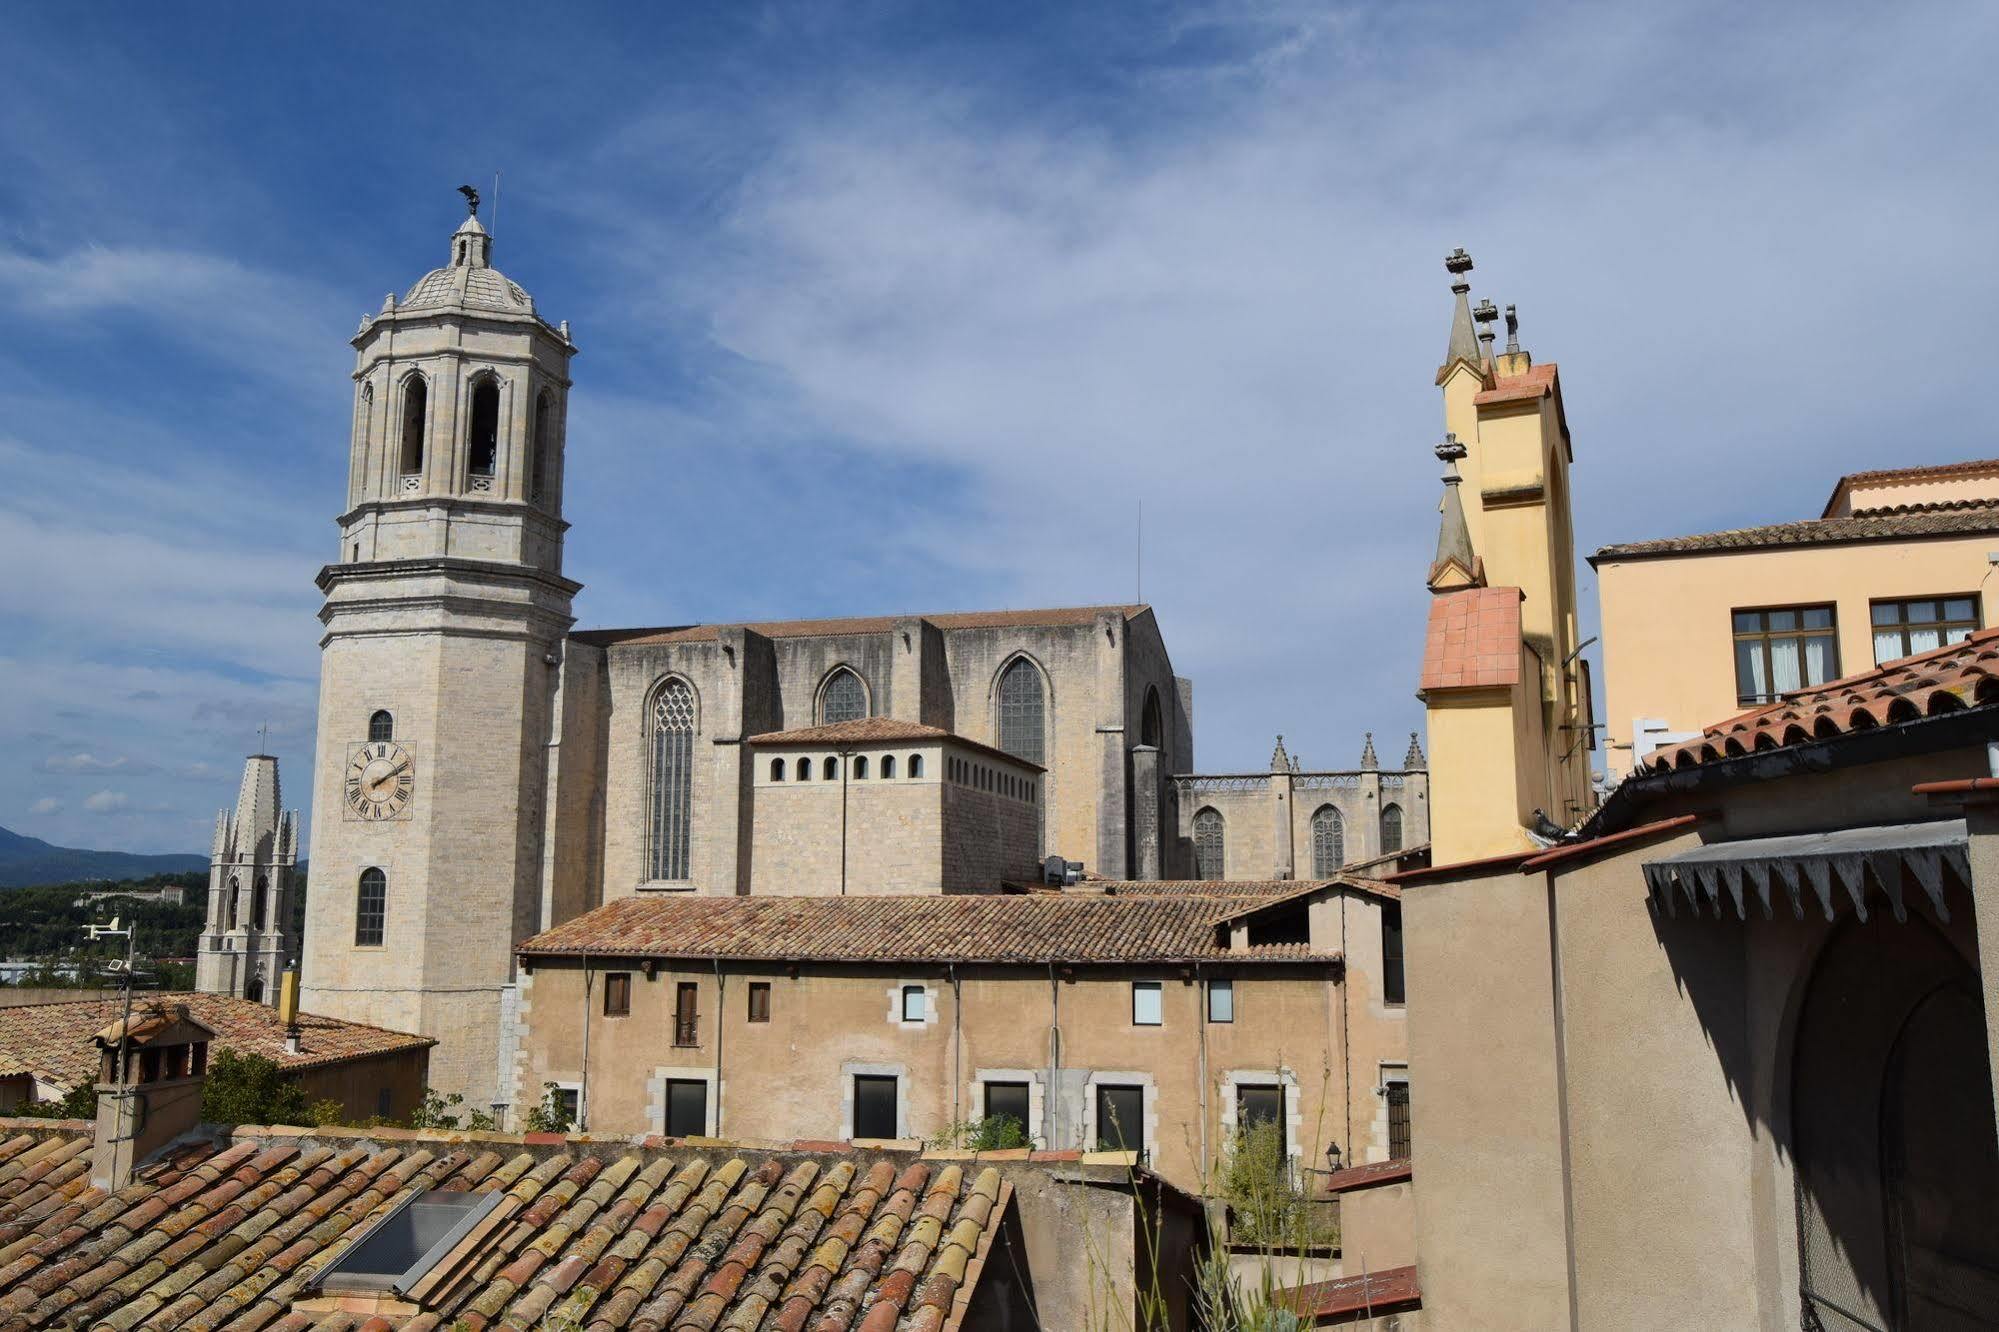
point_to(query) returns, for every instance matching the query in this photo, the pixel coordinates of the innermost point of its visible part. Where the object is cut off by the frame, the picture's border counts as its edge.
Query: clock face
(381, 778)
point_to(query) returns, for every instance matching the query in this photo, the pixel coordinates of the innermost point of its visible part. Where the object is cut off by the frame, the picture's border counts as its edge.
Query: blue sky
(892, 307)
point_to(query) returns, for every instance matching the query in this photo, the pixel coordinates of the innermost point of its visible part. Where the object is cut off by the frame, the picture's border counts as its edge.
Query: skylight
(398, 1249)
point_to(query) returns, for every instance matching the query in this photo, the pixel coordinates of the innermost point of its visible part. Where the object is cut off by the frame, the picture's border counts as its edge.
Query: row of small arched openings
(828, 769)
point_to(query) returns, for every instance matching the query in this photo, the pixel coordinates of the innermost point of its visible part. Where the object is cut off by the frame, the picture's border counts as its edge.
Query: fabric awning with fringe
(1834, 871)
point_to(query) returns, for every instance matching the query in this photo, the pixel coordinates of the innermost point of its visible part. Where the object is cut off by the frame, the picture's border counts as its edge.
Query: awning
(1832, 869)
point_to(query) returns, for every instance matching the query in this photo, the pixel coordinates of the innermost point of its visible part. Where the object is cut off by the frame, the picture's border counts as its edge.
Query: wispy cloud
(107, 802)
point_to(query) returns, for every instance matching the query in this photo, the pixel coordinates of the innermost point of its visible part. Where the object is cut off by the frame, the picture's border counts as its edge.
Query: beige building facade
(1698, 627)
(1121, 1015)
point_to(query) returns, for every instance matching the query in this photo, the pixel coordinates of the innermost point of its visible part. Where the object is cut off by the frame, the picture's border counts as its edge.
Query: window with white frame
(1147, 1004)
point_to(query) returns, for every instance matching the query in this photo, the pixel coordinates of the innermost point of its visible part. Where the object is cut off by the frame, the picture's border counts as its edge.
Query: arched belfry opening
(416, 420)
(482, 440)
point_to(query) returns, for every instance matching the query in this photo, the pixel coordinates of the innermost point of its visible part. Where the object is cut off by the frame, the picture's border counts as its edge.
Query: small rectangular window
(1904, 628)
(1392, 984)
(686, 1108)
(1397, 1096)
(1146, 1004)
(1007, 1100)
(1120, 1119)
(1221, 1001)
(1783, 649)
(687, 1014)
(617, 993)
(874, 1106)
(913, 1006)
(570, 1101)
(759, 1001)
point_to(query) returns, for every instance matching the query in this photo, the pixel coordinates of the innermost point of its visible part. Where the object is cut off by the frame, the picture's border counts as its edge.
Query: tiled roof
(882, 730)
(1537, 382)
(1362, 867)
(1945, 679)
(865, 624)
(1386, 1291)
(1473, 639)
(1369, 1176)
(1036, 928)
(1198, 887)
(54, 1041)
(231, 1235)
(1950, 518)
(1844, 487)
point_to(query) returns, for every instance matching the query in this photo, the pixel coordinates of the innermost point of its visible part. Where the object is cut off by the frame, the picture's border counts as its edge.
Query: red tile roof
(1061, 617)
(1033, 928)
(235, 1233)
(55, 1041)
(1952, 518)
(1473, 640)
(1945, 679)
(882, 730)
(1339, 1300)
(1933, 472)
(1538, 382)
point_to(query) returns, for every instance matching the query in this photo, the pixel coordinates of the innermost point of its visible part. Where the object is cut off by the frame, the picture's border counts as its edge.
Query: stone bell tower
(445, 616)
(248, 940)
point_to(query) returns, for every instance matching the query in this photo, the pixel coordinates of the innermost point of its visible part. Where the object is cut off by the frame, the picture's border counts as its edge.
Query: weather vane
(471, 198)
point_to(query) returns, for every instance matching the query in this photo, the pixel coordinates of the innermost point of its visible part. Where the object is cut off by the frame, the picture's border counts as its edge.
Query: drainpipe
(1054, 1058)
(1346, 1048)
(583, 1081)
(721, 1011)
(957, 1046)
(1201, 1016)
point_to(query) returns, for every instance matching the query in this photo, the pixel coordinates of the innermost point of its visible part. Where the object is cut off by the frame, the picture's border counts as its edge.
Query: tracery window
(1391, 828)
(843, 699)
(1208, 860)
(672, 779)
(1023, 708)
(1329, 842)
(371, 909)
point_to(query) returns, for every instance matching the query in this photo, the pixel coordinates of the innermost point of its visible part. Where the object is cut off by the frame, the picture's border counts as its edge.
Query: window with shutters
(687, 1013)
(617, 994)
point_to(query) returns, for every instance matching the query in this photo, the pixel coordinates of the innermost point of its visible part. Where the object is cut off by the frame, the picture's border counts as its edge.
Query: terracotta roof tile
(55, 1041)
(1949, 518)
(1946, 679)
(1537, 382)
(1062, 617)
(1473, 640)
(1372, 1175)
(1035, 928)
(1386, 1291)
(230, 1235)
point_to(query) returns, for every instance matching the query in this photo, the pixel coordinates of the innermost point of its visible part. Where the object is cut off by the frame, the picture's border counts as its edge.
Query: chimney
(151, 1069)
(288, 1006)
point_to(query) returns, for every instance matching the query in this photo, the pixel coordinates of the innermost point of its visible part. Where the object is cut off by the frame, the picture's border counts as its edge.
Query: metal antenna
(131, 936)
(1138, 557)
(494, 232)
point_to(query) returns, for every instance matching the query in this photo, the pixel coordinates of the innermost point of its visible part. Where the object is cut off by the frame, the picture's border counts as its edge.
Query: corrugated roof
(235, 1233)
(863, 624)
(55, 1042)
(1945, 679)
(1035, 928)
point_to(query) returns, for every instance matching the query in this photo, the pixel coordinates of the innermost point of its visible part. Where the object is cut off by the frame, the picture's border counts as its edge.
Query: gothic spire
(1413, 761)
(1453, 534)
(1464, 338)
(1279, 760)
(1368, 762)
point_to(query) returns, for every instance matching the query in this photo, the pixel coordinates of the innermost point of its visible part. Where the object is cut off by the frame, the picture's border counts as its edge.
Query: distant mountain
(26, 861)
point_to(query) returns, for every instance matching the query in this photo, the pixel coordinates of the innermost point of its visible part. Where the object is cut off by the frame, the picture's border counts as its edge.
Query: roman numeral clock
(381, 778)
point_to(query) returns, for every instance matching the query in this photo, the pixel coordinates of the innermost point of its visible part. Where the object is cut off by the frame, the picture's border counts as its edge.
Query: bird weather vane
(471, 198)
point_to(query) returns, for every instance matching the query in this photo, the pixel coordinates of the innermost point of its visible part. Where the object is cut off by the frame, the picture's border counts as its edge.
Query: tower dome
(469, 280)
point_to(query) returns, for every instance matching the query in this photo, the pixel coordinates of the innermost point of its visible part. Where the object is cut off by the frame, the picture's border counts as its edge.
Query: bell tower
(446, 612)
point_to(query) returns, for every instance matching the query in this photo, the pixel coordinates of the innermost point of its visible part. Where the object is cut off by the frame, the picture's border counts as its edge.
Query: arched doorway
(1897, 1159)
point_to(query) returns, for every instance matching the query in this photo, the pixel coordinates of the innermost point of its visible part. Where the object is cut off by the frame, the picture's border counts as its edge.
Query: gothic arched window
(381, 727)
(1209, 862)
(538, 448)
(482, 441)
(1329, 842)
(254, 991)
(1391, 828)
(1151, 727)
(229, 906)
(672, 779)
(1023, 710)
(262, 890)
(371, 909)
(844, 698)
(416, 420)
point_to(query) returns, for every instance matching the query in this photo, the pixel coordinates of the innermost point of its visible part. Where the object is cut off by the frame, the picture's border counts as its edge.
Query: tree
(551, 1115)
(250, 1089)
(80, 1102)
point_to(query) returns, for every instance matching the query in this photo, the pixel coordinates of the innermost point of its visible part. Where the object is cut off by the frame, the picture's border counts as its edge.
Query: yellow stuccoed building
(1699, 627)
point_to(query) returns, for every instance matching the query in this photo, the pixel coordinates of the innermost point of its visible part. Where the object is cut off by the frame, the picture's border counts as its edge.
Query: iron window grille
(1397, 1095)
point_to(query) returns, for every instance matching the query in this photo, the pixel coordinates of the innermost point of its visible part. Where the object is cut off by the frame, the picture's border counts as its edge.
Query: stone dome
(469, 280)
